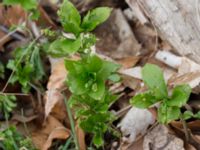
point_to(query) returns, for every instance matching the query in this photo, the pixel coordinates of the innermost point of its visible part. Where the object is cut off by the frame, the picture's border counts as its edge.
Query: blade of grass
(67, 144)
(71, 123)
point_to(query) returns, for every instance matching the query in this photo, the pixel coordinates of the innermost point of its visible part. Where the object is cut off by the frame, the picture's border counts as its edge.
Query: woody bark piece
(178, 22)
(136, 11)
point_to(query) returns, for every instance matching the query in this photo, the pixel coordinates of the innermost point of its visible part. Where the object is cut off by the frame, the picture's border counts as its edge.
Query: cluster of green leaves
(87, 76)
(7, 103)
(91, 98)
(10, 139)
(170, 105)
(26, 66)
(28, 5)
(72, 22)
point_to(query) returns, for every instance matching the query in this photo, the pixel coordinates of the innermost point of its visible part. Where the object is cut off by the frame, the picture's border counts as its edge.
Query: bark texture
(178, 22)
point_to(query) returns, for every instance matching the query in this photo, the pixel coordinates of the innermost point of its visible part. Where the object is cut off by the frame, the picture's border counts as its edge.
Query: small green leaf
(98, 92)
(143, 100)
(187, 115)
(64, 47)
(7, 104)
(180, 95)
(153, 78)
(93, 63)
(197, 115)
(167, 114)
(114, 77)
(95, 17)
(77, 84)
(74, 67)
(70, 17)
(107, 69)
(98, 139)
(37, 64)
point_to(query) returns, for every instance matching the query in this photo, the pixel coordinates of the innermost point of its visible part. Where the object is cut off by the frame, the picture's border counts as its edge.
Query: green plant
(7, 103)
(26, 66)
(87, 76)
(170, 105)
(10, 139)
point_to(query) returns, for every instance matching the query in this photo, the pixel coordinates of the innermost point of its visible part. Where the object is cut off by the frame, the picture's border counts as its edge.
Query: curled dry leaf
(49, 132)
(55, 85)
(57, 133)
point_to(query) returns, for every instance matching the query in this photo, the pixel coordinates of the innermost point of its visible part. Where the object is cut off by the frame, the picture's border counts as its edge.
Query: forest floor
(34, 114)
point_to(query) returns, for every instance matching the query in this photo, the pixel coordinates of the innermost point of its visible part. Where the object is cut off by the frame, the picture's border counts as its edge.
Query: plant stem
(185, 128)
(71, 123)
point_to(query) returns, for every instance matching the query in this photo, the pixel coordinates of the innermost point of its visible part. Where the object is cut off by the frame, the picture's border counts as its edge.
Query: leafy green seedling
(170, 105)
(10, 139)
(7, 104)
(79, 27)
(87, 77)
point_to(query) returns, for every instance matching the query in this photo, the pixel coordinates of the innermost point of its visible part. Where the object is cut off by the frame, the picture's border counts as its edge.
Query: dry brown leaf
(191, 78)
(14, 15)
(10, 16)
(81, 137)
(53, 96)
(58, 74)
(57, 133)
(40, 136)
(55, 85)
(128, 62)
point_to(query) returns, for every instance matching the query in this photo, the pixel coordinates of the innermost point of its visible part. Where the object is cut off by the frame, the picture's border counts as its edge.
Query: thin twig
(121, 112)
(185, 128)
(12, 34)
(24, 123)
(17, 94)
